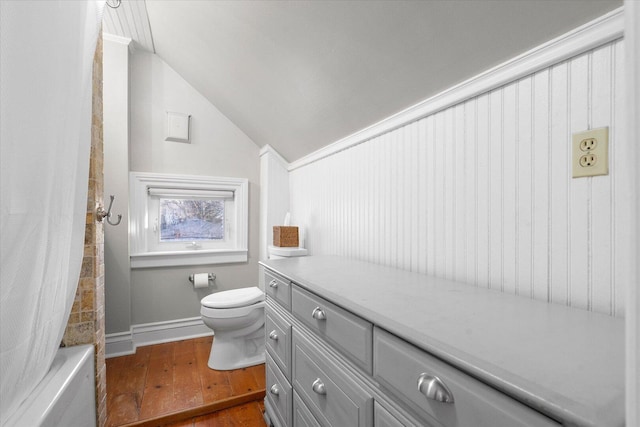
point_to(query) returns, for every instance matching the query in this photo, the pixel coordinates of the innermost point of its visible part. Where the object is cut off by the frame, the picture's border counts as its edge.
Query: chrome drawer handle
(433, 388)
(275, 390)
(318, 387)
(273, 283)
(318, 314)
(273, 335)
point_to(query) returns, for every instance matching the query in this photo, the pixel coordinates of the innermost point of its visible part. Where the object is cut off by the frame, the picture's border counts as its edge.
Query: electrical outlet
(591, 152)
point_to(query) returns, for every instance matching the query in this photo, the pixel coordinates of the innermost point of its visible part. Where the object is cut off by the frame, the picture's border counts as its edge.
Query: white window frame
(140, 221)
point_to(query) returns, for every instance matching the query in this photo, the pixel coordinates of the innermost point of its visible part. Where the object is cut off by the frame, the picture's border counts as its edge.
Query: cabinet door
(278, 338)
(383, 418)
(301, 415)
(329, 392)
(278, 393)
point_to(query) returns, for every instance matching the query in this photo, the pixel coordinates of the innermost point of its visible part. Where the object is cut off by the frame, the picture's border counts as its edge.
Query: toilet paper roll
(200, 280)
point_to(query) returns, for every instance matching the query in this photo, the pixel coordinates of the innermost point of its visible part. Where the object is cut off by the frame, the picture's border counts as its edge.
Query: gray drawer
(382, 417)
(301, 415)
(351, 335)
(278, 288)
(398, 366)
(278, 338)
(278, 393)
(332, 397)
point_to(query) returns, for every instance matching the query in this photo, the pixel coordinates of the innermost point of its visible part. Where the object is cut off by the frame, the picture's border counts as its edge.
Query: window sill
(198, 257)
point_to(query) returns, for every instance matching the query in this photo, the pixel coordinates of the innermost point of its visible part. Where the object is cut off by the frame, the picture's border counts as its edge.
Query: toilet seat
(233, 298)
(229, 313)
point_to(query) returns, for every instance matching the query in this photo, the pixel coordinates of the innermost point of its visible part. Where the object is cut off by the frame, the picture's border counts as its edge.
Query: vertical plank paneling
(346, 225)
(400, 202)
(431, 196)
(336, 190)
(360, 218)
(375, 214)
(327, 219)
(406, 185)
(414, 197)
(461, 206)
(558, 183)
(579, 189)
(621, 204)
(471, 191)
(423, 190)
(495, 189)
(385, 200)
(524, 190)
(541, 158)
(396, 199)
(376, 219)
(449, 192)
(601, 115)
(509, 180)
(340, 186)
(481, 192)
(439, 191)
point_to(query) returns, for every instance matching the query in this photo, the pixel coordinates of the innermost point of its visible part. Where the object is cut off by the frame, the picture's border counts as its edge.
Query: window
(187, 220)
(184, 220)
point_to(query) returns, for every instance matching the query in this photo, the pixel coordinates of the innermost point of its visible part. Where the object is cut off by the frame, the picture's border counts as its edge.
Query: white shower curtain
(46, 54)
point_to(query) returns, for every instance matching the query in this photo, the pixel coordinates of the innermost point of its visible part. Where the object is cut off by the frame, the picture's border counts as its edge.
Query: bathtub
(65, 396)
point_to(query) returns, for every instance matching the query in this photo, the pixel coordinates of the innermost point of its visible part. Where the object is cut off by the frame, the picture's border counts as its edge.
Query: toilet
(237, 320)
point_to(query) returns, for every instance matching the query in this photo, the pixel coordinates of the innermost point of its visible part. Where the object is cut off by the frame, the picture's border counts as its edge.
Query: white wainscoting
(481, 191)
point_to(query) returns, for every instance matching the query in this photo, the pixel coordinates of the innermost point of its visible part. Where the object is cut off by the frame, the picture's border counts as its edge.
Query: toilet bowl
(237, 320)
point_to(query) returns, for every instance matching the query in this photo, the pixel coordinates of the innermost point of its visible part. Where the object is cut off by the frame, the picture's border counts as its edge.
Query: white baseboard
(124, 343)
(118, 344)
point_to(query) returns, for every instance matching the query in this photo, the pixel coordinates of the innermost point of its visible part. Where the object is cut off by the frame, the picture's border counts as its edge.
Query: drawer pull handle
(273, 335)
(273, 283)
(275, 390)
(318, 314)
(433, 388)
(318, 387)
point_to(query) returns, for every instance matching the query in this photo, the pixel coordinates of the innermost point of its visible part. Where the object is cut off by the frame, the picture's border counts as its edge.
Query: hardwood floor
(171, 383)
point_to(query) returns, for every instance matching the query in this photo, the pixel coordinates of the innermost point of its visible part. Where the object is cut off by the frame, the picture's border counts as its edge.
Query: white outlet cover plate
(600, 151)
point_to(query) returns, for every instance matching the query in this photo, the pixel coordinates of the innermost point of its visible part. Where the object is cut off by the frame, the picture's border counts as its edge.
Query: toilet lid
(233, 298)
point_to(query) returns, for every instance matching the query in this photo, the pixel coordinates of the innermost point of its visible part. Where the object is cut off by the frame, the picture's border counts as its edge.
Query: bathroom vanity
(351, 343)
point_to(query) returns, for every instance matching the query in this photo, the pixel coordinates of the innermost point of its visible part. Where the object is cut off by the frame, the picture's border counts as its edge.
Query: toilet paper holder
(212, 277)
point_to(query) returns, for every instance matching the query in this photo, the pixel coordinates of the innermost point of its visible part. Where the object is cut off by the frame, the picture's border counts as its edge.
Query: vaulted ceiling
(299, 75)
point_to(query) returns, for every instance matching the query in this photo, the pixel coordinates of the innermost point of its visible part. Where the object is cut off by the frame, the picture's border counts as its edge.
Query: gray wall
(217, 148)
(116, 182)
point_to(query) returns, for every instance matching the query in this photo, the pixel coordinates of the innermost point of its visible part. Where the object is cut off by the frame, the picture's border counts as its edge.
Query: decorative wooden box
(285, 237)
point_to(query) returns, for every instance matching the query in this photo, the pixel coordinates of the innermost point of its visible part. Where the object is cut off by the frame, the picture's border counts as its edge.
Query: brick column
(86, 322)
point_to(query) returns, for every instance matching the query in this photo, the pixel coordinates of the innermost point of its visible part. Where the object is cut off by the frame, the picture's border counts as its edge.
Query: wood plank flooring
(171, 383)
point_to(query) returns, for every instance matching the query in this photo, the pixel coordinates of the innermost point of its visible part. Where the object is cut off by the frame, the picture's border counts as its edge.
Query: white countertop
(565, 362)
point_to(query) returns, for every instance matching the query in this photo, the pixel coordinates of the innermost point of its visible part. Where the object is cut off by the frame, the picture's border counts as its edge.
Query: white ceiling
(299, 75)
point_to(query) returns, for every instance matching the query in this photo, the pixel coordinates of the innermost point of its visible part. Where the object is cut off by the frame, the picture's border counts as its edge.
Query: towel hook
(102, 214)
